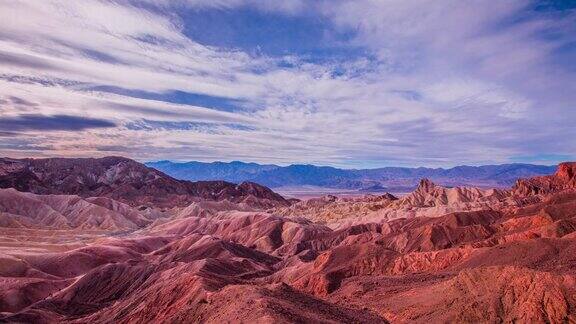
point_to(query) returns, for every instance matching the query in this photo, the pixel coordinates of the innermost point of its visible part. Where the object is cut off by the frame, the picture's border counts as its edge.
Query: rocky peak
(388, 196)
(566, 171)
(329, 198)
(425, 185)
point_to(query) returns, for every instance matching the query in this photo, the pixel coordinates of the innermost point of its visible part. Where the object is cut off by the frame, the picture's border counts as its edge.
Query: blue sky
(359, 83)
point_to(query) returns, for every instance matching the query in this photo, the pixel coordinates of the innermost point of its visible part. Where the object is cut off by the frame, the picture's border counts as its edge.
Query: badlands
(110, 240)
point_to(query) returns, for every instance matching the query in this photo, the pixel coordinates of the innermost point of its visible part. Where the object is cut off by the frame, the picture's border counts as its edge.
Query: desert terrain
(111, 240)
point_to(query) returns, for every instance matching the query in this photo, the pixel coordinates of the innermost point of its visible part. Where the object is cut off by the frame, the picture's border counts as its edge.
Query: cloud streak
(52, 123)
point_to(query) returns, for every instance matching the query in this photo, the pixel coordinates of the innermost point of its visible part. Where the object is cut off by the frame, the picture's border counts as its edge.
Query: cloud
(21, 102)
(23, 60)
(177, 97)
(432, 82)
(286, 6)
(201, 127)
(51, 123)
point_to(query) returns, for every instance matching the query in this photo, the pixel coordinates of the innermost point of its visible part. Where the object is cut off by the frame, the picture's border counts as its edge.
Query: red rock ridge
(564, 178)
(124, 180)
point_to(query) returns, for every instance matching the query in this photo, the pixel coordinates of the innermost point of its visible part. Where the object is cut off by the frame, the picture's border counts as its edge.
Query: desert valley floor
(112, 241)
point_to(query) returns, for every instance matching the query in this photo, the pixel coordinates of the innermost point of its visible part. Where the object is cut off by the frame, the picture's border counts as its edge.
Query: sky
(356, 83)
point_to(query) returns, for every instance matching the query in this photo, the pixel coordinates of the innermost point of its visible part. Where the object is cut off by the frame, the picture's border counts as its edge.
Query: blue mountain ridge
(379, 179)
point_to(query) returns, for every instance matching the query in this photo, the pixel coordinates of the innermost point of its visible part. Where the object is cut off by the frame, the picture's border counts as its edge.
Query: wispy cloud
(434, 82)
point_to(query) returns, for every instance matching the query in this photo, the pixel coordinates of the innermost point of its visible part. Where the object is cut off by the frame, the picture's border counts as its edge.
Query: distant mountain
(198, 171)
(381, 179)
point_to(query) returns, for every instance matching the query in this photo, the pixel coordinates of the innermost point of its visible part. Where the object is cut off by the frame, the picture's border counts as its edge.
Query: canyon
(112, 240)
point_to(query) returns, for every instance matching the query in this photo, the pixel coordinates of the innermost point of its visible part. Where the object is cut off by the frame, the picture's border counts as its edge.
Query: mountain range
(124, 180)
(395, 179)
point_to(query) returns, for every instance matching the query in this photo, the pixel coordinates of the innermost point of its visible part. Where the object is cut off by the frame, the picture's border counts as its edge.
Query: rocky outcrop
(563, 179)
(427, 194)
